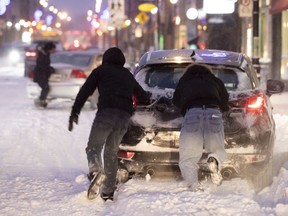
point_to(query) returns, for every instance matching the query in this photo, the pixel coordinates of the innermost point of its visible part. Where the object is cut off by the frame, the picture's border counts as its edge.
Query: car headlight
(14, 56)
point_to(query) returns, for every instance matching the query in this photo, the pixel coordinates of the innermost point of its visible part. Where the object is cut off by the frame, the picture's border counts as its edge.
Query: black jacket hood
(114, 56)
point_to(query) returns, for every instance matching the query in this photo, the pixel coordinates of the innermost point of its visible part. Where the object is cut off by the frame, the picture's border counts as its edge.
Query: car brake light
(125, 154)
(76, 73)
(31, 74)
(134, 101)
(255, 103)
(30, 54)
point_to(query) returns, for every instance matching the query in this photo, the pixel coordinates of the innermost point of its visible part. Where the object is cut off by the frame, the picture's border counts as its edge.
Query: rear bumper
(63, 90)
(238, 160)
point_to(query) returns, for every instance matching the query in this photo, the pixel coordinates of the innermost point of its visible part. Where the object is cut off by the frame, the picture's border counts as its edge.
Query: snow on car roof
(189, 56)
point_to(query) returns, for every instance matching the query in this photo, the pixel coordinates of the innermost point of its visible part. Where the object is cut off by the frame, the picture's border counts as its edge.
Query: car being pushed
(151, 144)
(71, 71)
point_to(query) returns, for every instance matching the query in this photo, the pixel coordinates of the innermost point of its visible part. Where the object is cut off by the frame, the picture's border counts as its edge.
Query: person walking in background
(201, 97)
(116, 86)
(43, 71)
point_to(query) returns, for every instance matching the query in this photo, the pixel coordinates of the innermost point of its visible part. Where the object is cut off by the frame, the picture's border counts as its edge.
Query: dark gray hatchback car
(152, 140)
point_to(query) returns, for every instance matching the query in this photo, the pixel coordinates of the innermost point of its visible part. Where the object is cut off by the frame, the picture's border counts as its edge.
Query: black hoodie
(116, 85)
(198, 86)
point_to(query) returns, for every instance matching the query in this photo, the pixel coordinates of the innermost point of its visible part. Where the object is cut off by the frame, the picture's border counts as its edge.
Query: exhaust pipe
(151, 171)
(228, 173)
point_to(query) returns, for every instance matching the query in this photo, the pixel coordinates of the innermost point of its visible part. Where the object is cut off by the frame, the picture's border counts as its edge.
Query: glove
(72, 119)
(148, 95)
(164, 100)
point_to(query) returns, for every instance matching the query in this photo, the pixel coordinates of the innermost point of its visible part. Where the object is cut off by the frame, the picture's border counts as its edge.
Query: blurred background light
(219, 6)
(192, 13)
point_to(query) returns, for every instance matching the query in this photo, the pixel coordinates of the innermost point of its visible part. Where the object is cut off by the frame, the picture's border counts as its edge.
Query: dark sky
(77, 9)
(74, 7)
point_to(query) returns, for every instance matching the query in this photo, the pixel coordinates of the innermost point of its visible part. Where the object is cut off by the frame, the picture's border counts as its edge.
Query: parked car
(13, 53)
(32, 51)
(71, 70)
(152, 140)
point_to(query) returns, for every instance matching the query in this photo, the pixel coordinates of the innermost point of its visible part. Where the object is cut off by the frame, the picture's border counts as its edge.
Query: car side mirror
(274, 86)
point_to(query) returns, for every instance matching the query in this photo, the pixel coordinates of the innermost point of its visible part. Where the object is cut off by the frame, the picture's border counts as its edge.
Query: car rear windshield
(167, 77)
(71, 59)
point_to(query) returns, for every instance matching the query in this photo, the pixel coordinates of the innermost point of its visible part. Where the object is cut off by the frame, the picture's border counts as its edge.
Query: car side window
(98, 60)
(229, 78)
(80, 60)
(233, 79)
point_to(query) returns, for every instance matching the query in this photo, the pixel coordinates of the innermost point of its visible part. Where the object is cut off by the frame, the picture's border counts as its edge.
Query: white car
(71, 71)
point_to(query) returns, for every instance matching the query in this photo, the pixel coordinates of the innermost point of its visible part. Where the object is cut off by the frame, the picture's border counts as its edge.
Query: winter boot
(40, 103)
(196, 187)
(109, 196)
(216, 176)
(43, 103)
(95, 185)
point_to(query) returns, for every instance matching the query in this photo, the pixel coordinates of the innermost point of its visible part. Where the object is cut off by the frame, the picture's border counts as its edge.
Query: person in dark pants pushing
(116, 86)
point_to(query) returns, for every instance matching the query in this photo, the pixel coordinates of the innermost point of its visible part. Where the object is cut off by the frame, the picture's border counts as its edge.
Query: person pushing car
(201, 97)
(116, 86)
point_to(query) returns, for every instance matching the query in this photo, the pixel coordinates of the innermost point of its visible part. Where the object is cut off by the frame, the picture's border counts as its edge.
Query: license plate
(55, 78)
(167, 139)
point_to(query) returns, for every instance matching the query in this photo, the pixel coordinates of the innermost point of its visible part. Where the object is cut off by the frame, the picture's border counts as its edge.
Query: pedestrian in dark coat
(43, 71)
(202, 98)
(116, 86)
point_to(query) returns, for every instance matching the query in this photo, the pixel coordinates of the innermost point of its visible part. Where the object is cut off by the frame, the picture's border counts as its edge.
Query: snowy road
(43, 168)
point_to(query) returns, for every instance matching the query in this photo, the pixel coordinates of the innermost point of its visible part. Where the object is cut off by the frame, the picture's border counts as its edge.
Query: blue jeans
(108, 129)
(201, 129)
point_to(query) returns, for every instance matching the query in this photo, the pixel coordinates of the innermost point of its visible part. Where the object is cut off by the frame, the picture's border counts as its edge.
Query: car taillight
(255, 103)
(31, 74)
(30, 54)
(134, 101)
(125, 154)
(76, 73)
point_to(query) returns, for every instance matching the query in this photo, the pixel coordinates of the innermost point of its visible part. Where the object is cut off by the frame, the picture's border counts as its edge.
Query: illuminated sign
(215, 54)
(219, 6)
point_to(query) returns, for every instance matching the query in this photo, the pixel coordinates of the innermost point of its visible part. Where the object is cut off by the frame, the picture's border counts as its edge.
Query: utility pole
(255, 58)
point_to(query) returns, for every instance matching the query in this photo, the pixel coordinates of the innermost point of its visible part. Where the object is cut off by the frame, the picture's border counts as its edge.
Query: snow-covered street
(43, 168)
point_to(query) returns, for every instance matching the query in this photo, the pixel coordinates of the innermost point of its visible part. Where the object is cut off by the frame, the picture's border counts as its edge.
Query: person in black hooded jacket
(116, 86)
(43, 71)
(202, 98)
